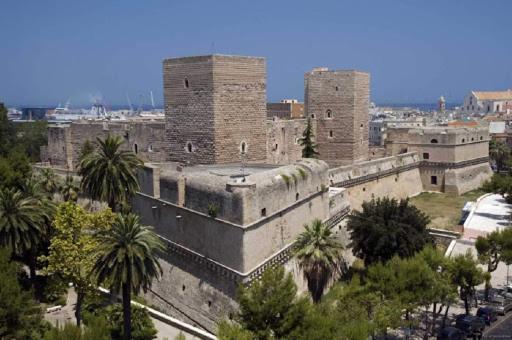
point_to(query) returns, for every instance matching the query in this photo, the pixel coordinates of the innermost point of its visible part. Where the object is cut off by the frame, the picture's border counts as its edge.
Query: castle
(227, 190)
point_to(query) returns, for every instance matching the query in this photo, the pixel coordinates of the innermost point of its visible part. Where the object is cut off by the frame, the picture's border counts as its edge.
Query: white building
(487, 102)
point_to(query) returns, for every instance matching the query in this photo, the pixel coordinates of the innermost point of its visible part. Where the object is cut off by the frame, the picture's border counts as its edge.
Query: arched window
(185, 82)
(433, 141)
(313, 116)
(463, 140)
(243, 147)
(330, 134)
(189, 147)
(297, 196)
(481, 138)
(135, 148)
(328, 113)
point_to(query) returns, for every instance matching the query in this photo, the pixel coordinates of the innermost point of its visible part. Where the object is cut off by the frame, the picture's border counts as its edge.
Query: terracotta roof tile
(493, 95)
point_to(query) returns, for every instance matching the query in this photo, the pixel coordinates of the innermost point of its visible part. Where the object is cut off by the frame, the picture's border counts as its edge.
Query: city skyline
(58, 51)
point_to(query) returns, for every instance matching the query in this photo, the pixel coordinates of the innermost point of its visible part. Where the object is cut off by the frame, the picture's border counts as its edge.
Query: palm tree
(319, 254)
(128, 260)
(21, 224)
(108, 173)
(499, 152)
(69, 190)
(48, 180)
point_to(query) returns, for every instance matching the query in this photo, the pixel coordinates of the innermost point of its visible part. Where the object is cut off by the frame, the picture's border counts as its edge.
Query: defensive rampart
(396, 177)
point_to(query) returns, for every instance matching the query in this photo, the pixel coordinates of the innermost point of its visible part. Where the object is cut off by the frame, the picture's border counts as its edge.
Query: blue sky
(51, 51)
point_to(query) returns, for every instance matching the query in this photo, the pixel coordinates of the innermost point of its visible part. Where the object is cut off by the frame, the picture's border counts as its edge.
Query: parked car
(487, 313)
(451, 333)
(470, 324)
(502, 304)
(505, 292)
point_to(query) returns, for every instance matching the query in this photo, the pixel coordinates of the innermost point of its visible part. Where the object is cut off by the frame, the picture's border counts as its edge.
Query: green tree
(69, 190)
(353, 311)
(308, 145)
(386, 227)
(466, 275)
(20, 316)
(500, 184)
(7, 132)
(320, 257)
(443, 292)
(128, 260)
(21, 224)
(269, 308)
(14, 169)
(97, 329)
(142, 327)
(233, 331)
(491, 248)
(30, 136)
(73, 248)
(109, 173)
(499, 152)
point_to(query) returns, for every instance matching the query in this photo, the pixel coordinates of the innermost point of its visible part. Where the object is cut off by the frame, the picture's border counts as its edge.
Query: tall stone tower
(339, 102)
(215, 109)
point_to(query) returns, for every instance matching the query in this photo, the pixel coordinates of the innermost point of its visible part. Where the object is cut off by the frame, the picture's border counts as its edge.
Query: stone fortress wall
(339, 102)
(454, 160)
(395, 177)
(213, 105)
(142, 136)
(283, 140)
(250, 232)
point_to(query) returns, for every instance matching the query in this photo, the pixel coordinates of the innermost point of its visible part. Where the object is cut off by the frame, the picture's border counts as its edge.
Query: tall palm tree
(21, 224)
(128, 260)
(320, 257)
(109, 173)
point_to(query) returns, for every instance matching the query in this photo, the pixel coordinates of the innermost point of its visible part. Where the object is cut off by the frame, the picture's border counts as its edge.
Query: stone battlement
(358, 173)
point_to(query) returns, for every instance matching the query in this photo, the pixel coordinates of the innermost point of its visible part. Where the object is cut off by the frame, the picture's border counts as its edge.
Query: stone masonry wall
(188, 103)
(145, 138)
(339, 101)
(213, 104)
(395, 177)
(282, 140)
(240, 108)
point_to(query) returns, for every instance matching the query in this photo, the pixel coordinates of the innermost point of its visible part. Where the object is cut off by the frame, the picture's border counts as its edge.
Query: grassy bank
(444, 209)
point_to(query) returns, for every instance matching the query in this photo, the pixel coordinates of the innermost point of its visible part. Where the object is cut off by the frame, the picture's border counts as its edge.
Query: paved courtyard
(490, 213)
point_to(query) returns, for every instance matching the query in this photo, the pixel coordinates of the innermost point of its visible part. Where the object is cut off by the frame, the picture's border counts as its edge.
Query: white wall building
(487, 102)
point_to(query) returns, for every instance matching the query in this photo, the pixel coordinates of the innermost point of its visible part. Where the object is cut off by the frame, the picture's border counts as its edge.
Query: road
(501, 329)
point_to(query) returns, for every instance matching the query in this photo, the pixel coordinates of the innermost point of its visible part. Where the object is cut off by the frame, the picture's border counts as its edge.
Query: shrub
(96, 308)
(213, 210)
(54, 290)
